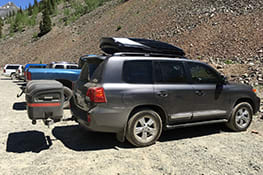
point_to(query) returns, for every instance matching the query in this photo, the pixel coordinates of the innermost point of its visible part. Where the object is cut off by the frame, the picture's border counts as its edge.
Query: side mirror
(223, 79)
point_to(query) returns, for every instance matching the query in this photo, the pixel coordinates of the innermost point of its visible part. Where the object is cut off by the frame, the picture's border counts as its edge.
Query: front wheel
(144, 128)
(241, 117)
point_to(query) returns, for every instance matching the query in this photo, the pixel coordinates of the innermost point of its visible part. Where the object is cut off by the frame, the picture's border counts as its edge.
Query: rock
(260, 82)
(251, 64)
(219, 67)
(245, 75)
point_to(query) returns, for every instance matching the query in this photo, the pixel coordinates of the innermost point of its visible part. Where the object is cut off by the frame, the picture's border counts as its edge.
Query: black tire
(13, 76)
(241, 117)
(149, 124)
(67, 96)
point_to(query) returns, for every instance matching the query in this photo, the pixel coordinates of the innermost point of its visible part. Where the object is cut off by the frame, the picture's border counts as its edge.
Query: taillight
(88, 118)
(96, 95)
(18, 71)
(28, 76)
(4, 70)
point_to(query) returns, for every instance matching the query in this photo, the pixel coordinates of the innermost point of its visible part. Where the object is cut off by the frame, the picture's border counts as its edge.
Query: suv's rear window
(90, 71)
(12, 67)
(137, 72)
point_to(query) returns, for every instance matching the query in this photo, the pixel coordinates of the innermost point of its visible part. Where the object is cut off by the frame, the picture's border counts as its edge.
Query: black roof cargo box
(113, 45)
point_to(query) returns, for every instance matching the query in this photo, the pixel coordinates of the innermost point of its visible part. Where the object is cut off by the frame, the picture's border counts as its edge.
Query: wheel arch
(155, 108)
(248, 100)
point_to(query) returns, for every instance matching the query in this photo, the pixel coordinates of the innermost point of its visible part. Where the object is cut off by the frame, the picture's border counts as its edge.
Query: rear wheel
(144, 128)
(13, 76)
(241, 117)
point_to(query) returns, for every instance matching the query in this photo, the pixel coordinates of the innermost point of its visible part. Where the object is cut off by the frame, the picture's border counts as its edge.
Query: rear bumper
(6, 74)
(101, 119)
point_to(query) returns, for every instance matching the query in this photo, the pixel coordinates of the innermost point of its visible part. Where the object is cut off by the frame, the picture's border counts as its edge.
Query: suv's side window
(202, 74)
(170, 72)
(138, 72)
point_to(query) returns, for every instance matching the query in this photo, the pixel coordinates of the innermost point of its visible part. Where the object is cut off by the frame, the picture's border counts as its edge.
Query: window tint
(59, 67)
(202, 74)
(87, 71)
(12, 67)
(139, 72)
(170, 72)
(97, 74)
(72, 67)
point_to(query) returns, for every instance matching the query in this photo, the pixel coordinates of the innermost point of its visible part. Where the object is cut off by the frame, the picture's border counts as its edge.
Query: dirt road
(66, 149)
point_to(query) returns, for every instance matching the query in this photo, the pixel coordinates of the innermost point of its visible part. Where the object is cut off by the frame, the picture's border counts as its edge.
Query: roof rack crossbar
(147, 54)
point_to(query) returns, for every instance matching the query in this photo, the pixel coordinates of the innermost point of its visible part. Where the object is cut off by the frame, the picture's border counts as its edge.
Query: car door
(173, 91)
(210, 93)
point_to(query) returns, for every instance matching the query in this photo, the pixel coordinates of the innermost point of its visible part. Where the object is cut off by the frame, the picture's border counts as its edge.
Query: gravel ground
(66, 149)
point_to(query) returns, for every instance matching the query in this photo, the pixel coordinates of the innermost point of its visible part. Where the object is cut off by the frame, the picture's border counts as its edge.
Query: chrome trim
(185, 115)
(209, 113)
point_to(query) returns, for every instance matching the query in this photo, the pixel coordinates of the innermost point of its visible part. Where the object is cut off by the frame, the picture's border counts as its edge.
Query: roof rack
(138, 45)
(147, 54)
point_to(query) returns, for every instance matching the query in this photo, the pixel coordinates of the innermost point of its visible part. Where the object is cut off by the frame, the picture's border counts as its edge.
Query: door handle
(199, 93)
(162, 94)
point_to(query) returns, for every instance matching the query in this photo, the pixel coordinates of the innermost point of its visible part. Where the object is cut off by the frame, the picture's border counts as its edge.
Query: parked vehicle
(63, 65)
(32, 65)
(10, 70)
(20, 72)
(150, 86)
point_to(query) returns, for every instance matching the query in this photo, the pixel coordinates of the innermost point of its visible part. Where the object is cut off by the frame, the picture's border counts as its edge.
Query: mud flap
(120, 136)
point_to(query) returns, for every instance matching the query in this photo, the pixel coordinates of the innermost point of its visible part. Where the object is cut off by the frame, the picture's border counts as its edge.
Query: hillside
(226, 33)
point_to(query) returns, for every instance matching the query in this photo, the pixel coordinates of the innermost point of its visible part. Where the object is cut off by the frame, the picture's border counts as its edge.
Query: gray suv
(137, 95)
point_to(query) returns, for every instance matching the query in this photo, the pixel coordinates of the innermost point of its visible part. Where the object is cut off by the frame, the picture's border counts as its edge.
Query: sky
(18, 3)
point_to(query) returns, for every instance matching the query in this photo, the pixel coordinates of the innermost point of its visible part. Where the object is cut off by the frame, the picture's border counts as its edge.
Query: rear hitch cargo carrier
(45, 100)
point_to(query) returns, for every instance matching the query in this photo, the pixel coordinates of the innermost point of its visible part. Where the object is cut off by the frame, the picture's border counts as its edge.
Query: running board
(196, 124)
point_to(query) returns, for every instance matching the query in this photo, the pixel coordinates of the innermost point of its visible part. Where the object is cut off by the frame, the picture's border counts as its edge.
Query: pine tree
(20, 10)
(15, 24)
(45, 24)
(35, 3)
(30, 10)
(49, 7)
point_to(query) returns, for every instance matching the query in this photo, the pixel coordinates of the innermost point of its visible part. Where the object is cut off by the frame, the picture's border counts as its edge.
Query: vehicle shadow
(191, 132)
(20, 83)
(28, 141)
(19, 106)
(77, 139)
(5, 78)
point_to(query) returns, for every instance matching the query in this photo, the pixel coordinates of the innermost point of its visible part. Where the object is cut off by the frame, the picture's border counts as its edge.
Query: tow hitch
(21, 93)
(49, 122)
